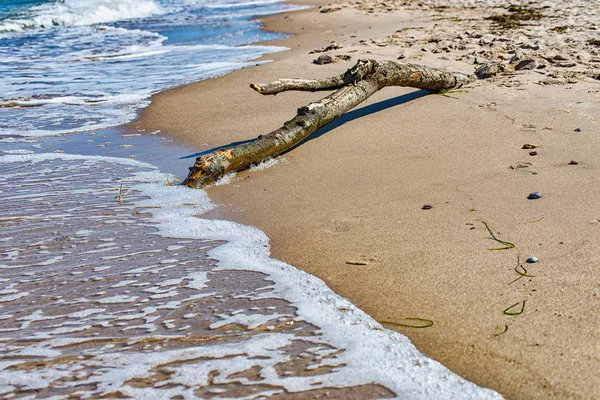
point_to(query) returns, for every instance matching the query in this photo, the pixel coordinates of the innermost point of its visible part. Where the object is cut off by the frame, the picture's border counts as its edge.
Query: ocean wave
(80, 13)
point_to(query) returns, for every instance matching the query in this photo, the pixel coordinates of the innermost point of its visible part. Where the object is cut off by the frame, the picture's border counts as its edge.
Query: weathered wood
(354, 86)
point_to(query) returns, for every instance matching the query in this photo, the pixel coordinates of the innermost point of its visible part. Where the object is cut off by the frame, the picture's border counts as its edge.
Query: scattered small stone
(532, 260)
(533, 153)
(427, 207)
(531, 46)
(529, 146)
(565, 64)
(534, 196)
(401, 57)
(328, 59)
(573, 162)
(577, 129)
(526, 64)
(332, 46)
(488, 70)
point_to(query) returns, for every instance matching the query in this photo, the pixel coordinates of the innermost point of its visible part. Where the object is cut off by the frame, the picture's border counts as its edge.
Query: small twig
(508, 312)
(427, 322)
(121, 194)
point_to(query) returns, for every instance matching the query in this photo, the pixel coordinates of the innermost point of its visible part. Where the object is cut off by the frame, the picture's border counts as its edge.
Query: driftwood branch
(354, 86)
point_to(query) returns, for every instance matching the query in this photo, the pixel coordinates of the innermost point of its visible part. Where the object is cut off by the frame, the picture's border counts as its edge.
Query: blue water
(81, 65)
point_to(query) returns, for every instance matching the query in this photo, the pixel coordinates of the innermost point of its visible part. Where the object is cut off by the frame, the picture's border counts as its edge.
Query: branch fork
(352, 88)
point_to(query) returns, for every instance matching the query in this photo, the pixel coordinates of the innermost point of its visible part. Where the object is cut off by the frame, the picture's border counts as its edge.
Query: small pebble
(577, 129)
(529, 146)
(534, 196)
(573, 162)
(532, 260)
(427, 207)
(533, 153)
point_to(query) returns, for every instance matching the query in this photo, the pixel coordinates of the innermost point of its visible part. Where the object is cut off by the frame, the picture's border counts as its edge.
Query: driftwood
(354, 86)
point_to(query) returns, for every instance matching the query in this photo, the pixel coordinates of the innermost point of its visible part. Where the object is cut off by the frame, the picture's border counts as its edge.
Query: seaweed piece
(508, 245)
(515, 16)
(512, 313)
(594, 42)
(503, 332)
(522, 274)
(427, 323)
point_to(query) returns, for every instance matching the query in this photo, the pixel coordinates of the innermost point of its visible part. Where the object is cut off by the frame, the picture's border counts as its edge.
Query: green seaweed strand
(521, 274)
(508, 245)
(508, 312)
(503, 331)
(427, 323)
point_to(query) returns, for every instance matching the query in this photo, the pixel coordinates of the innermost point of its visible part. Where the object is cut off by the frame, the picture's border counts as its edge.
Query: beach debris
(426, 207)
(534, 196)
(577, 129)
(533, 153)
(329, 9)
(426, 323)
(354, 86)
(573, 162)
(332, 46)
(529, 146)
(522, 271)
(507, 310)
(503, 332)
(491, 69)
(532, 260)
(515, 17)
(328, 59)
(507, 245)
(357, 263)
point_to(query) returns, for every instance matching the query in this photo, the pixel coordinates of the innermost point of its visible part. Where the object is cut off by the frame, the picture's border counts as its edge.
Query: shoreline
(325, 206)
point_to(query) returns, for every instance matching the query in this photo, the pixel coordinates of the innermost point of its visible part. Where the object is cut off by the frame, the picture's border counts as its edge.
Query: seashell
(534, 196)
(529, 146)
(427, 207)
(532, 259)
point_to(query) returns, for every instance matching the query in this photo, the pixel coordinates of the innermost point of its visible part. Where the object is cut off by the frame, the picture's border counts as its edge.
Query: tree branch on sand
(353, 87)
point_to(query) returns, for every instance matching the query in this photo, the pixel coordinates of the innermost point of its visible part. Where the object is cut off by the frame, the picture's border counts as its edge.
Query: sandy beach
(347, 204)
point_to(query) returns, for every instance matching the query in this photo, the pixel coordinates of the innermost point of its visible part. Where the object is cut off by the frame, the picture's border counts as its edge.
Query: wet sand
(100, 306)
(354, 194)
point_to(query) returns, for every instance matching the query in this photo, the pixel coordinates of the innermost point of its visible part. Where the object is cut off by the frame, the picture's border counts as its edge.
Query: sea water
(80, 65)
(111, 282)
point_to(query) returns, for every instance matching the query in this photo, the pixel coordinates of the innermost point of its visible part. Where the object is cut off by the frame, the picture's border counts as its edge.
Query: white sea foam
(81, 12)
(92, 64)
(351, 345)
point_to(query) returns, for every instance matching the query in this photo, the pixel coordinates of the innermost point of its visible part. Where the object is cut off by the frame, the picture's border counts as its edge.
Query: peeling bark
(354, 86)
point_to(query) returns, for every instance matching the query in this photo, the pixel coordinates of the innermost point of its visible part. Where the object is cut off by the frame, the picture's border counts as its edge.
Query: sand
(353, 194)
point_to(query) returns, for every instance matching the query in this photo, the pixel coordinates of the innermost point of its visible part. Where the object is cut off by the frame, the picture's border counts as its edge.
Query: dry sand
(353, 194)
